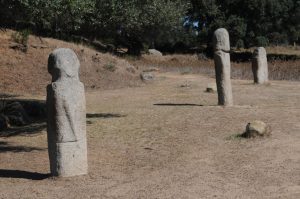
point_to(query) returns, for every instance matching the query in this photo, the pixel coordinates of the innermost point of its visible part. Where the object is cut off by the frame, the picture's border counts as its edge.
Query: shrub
(21, 37)
(240, 44)
(261, 41)
(110, 67)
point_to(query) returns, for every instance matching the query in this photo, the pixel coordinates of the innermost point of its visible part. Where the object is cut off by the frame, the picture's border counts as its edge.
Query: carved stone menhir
(66, 125)
(260, 66)
(222, 66)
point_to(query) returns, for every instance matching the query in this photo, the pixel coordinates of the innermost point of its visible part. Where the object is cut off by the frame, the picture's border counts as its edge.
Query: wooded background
(168, 25)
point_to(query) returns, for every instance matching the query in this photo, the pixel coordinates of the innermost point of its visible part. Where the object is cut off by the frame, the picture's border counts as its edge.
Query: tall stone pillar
(260, 66)
(66, 120)
(222, 66)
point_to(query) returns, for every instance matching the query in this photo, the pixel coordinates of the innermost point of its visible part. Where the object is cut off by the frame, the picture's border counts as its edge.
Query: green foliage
(240, 44)
(236, 136)
(141, 23)
(137, 24)
(278, 38)
(132, 23)
(110, 67)
(278, 21)
(261, 41)
(237, 29)
(21, 37)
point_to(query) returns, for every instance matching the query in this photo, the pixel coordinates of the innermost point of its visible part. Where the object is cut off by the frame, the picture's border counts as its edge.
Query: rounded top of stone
(63, 64)
(221, 40)
(257, 128)
(261, 51)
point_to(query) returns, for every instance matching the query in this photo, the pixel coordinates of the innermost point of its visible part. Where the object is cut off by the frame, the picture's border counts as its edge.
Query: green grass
(110, 67)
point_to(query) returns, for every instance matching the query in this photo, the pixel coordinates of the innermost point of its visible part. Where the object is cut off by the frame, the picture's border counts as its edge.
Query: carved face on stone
(63, 64)
(221, 40)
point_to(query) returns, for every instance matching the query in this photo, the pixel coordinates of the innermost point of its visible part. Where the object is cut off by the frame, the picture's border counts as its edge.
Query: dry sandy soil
(168, 139)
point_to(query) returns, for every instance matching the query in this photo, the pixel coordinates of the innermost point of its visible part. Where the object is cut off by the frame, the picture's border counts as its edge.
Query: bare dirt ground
(168, 139)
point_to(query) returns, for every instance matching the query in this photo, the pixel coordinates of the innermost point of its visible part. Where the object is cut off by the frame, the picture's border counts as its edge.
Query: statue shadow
(5, 173)
(177, 104)
(28, 130)
(5, 147)
(104, 115)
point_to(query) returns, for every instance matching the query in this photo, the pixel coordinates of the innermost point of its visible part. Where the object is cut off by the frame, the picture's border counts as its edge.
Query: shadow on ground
(37, 127)
(174, 104)
(5, 147)
(104, 115)
(4, 173)
(28, 130)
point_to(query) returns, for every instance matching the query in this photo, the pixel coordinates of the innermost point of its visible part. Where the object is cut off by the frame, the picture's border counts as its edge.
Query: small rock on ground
(211, 88)
(257, 129)
(147, 76)
(155, 52)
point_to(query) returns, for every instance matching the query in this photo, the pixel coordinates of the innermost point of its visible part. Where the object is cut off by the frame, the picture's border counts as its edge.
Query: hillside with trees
(170, 25)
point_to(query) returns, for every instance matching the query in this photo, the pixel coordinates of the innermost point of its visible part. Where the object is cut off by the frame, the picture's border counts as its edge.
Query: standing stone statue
(66, 125)
(222, 66)
(260, 66)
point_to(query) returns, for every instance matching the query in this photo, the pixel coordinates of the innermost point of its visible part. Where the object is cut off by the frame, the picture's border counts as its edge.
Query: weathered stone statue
(222, 66)
(260, 66)
(66, 127)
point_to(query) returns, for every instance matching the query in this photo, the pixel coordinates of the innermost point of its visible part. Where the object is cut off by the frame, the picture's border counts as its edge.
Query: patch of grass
(21, 37)
(110, 67)
(236, 136)
(186, 71)
(131, 57)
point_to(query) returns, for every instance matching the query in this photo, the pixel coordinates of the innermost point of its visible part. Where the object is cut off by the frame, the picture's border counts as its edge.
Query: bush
(261, 41)
(110, 67)
(21, 37)
(240, 44)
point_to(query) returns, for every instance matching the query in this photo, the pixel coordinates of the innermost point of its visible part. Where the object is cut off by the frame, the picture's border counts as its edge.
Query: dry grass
(164, 141)
(285, 50)
(161, 140)
(26, 73)
(184, 64)
(23, 73)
